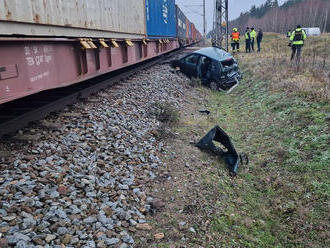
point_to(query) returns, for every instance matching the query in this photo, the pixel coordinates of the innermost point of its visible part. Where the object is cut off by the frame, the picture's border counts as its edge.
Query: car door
(189, 65)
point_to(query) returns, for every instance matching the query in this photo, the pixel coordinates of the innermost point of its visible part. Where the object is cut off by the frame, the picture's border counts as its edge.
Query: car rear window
(227, 63)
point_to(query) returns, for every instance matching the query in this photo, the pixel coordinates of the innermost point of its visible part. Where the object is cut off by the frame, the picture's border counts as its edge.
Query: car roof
(214, 53)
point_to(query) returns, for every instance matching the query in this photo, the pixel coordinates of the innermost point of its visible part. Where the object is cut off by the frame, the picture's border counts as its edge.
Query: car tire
(214, 86)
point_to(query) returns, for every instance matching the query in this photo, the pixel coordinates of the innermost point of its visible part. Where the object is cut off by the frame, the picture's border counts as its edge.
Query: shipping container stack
(74, 18)
(188, 40)
(181, 26)
(194, 39)
(161, 18)
(191, 32)
(109, 35)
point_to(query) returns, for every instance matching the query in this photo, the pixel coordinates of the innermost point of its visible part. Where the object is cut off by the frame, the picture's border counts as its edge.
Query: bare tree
(309, 13)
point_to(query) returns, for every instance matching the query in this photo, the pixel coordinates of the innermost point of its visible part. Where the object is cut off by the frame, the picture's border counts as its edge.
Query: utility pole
(204, 22)
(220, 25)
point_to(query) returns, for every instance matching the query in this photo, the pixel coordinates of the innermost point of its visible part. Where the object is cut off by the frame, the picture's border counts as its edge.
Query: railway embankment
(81, 177)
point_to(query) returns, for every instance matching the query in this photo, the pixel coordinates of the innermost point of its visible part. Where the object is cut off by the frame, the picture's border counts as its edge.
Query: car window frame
(201, 58)
(190, 55)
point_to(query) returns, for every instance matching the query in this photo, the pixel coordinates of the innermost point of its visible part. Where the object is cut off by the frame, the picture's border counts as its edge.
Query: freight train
(57, 43)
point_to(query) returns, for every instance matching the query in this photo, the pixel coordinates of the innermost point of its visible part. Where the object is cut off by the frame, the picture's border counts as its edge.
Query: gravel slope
(79, 178)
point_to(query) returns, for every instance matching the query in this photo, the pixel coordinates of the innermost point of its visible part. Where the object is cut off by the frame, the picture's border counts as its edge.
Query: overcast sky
(193, 10)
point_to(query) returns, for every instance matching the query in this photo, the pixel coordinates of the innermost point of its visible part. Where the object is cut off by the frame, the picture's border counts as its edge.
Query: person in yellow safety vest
(235, 40)
(247, 40)
(253, 34)
(288, 34)
(297, 41)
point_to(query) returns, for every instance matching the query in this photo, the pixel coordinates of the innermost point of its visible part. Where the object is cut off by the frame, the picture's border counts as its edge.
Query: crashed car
(215, 67)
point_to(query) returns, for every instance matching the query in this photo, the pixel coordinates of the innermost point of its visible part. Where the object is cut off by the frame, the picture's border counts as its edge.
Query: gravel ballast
(79, 178)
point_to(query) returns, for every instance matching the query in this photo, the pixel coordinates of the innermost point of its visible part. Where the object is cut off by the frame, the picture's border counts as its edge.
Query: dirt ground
(185, 206)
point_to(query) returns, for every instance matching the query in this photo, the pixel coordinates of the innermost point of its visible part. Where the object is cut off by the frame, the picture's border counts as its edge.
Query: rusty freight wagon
(56, 43)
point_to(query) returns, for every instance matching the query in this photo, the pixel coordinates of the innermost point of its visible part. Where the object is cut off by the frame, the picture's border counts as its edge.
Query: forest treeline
(272, 17)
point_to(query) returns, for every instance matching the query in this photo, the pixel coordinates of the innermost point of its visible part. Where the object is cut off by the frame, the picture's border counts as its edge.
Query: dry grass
(281, 198)
(311, 78)
(166, 113)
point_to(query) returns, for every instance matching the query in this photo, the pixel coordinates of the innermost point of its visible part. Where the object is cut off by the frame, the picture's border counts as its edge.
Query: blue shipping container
(161, 18)
(180, 23)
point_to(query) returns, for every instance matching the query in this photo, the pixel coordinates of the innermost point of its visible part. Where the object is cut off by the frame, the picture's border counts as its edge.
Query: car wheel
(214, 86)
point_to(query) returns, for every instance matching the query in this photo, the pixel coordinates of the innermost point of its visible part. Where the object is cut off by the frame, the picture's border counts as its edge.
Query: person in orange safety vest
(235, 40)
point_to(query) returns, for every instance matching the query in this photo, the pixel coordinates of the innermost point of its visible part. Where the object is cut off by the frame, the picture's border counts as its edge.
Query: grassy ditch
(282, 198)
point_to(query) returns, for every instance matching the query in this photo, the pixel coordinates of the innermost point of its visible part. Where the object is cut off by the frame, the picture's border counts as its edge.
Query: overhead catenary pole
(220, 26)
(227, 25)
(204, 21)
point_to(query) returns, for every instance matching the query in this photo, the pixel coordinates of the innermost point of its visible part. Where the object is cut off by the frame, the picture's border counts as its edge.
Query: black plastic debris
(204, 111)
(230, 156)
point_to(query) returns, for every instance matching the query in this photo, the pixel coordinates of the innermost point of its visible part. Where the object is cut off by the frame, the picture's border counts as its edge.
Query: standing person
(259, 39)
(253, 37)
(297, 41)
(288, 34)
(247, 40)
(235, 40)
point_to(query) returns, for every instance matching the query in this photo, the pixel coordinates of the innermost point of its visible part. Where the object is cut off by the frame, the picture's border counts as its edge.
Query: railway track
(18, 114)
